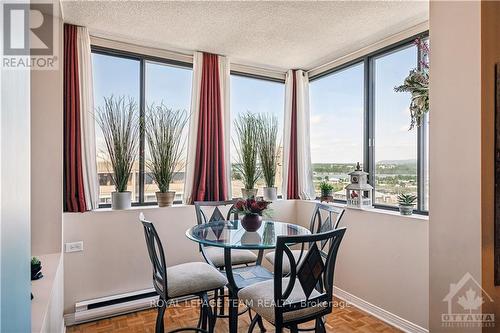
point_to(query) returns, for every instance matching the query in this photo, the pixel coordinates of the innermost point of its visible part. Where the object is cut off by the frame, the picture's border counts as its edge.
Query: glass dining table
(231, 235)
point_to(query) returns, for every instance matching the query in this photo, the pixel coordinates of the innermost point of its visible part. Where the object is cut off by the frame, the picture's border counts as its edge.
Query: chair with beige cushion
(210, 211)
(194, 278)
(324, 218)
(306, 293)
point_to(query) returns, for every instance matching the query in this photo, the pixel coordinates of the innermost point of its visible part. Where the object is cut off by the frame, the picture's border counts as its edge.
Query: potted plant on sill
(326, 191)
(119, 124)
(406, 203)
(163, 129)
(246, 126)
(252, 213)
(268, 153)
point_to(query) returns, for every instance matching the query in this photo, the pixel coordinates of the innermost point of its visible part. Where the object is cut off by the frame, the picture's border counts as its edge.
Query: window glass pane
(256, 96)
(337, 108)
(118, 77)
(395, 145)
(171, 86)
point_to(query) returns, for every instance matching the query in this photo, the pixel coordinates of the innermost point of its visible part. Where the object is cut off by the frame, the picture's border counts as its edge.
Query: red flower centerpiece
(252, 210)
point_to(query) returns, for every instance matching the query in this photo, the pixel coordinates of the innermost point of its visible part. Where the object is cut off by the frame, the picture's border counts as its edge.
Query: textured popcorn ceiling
(279, 35)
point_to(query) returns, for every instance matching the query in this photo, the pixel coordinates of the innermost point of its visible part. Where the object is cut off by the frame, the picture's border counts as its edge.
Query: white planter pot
(121, 200)
(248, 193)
(406, 210)
(270, 193)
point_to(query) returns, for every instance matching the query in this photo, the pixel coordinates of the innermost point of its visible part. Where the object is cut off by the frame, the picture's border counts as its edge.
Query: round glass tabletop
(231, 234)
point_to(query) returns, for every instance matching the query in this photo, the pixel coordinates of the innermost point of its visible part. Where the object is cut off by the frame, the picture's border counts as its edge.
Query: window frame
(369, 142)
(143, 59)
(257, 77)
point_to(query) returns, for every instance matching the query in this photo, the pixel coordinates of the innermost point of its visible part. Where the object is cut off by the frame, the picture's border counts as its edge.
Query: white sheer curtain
(87, 120)
(193, 126)
(224, 78)
(304, 167)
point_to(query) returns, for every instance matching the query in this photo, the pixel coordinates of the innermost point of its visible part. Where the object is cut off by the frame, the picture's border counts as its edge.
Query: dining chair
(324, 218)
(194, 278)
(306, 293)
(210, 211)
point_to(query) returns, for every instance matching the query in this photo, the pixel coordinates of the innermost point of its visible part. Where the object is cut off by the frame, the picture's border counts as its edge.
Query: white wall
(383, 259)
(115, 259)
(455, 143)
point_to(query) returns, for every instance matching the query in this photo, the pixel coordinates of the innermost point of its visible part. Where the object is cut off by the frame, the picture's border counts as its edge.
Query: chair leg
(294, 329)
(159, 318)
(320, 326)
(253, 323)
(261, 324)
(221, 291)
(204, 316)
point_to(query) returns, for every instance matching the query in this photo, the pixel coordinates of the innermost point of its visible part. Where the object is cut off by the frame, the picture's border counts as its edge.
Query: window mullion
(420, 154)
(142, 111)
(370, 121)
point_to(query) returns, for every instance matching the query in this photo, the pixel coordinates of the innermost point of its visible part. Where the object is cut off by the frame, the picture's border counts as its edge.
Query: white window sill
(379, 211)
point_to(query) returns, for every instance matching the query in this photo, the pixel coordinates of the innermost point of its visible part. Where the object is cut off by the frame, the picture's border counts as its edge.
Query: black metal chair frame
(206, 320)
(324, 285)
(201, 218)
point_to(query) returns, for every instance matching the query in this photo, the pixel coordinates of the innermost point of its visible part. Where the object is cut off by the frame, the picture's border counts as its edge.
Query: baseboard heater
(115, 305)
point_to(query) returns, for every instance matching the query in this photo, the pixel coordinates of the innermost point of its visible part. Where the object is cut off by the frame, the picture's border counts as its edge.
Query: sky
(336, 102)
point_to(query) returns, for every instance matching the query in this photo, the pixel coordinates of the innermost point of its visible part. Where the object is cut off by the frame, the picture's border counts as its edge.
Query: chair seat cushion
(286, 263)
(192, 278)
(260, 298)
(238, 257)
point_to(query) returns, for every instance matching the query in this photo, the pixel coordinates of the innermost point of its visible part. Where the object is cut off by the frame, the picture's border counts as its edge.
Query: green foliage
(35, 261)
(247, 129)
(268, 146)
(163, 129)
(119, 123)
(325, 187)
(407, 199)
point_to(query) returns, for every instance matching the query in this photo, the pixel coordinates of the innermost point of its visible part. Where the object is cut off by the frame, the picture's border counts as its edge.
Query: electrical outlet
(74, 247)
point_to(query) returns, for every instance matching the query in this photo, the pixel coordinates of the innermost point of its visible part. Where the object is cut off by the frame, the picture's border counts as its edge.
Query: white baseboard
(388, 317)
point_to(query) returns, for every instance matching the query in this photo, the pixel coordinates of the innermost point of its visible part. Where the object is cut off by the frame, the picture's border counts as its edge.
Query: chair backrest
(157, 257)
(325, 218)
(313, 273)
(209, 211)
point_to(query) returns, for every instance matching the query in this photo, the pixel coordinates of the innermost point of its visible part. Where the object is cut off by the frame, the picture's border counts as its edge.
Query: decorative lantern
(359, 192)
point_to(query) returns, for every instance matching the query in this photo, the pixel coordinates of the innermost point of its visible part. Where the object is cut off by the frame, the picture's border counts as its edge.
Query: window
(145, 81)
(114, 76)
(395, 146)
(257, 96)
(357, 116)
(337, 111)
(172, 87)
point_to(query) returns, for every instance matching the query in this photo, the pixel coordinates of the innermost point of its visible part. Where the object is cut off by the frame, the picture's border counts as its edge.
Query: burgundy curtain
(73, 175)
(209, 178)
(293, 184)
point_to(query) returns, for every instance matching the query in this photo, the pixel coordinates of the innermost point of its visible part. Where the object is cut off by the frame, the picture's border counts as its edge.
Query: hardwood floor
(343, 319)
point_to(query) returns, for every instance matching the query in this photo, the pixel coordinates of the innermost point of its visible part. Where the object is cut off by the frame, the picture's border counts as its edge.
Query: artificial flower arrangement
(252, 211)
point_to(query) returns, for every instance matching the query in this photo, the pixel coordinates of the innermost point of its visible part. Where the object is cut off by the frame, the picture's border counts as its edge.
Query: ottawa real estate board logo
(29, 35)
(465, 299)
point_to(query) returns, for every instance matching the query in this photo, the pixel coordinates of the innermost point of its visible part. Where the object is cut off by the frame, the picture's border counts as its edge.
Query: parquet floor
(343, 319)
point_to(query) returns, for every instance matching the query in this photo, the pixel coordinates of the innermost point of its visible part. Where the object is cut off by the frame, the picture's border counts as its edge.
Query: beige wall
(490, 22)
(383, 259)
(455, 158)
(47, 157)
